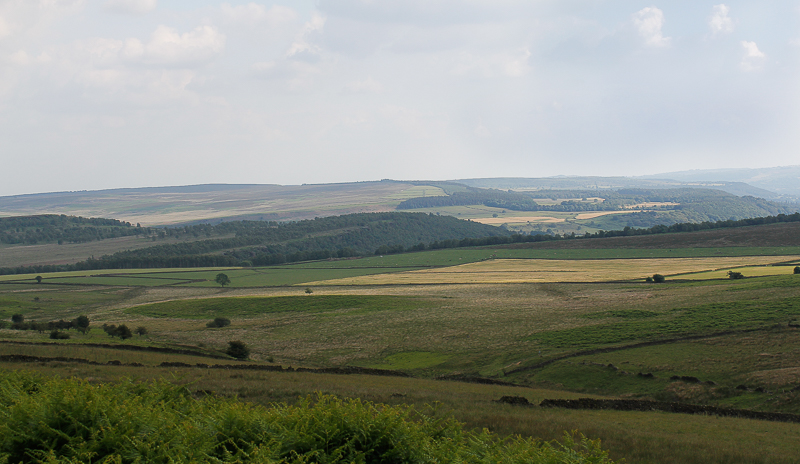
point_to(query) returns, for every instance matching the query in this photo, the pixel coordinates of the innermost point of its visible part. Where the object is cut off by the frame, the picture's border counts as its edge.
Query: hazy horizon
(101, 94)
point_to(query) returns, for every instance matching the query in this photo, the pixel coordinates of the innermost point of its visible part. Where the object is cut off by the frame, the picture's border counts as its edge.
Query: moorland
(447, 328)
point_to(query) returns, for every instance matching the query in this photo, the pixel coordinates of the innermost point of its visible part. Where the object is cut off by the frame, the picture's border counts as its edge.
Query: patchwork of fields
(557, 323)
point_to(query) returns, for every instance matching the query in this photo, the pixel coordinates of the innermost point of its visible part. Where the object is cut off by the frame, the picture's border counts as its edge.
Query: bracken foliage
(71, 421)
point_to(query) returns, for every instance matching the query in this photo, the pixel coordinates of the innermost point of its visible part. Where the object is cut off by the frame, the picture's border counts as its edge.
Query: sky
(99, 94)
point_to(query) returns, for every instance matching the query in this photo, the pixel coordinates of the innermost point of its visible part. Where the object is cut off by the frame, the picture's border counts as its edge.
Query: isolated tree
(238, 349)
(17, 318)
(141, 330)
(38, 279)
(658, 278)
(797, 269)
(222, 279)
(81, 323)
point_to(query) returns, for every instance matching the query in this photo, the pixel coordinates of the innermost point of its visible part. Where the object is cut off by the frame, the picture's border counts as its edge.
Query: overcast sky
(130, 93)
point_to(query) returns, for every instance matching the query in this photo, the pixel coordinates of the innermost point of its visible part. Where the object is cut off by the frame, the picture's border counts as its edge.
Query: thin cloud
(649, 22)
(753, 57)
(253, 14)
(720, 22)
(131, 6)
(168, 47)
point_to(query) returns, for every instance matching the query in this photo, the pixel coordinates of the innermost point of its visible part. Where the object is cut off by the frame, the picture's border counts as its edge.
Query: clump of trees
(80, 323)
(122, 331)
(735, 275)
(218, 323)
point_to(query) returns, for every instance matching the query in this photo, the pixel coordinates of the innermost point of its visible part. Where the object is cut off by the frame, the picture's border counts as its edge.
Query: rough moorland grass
(71, 421)
(51, 302)
(254, 306)
(411, 360)
(709, 318)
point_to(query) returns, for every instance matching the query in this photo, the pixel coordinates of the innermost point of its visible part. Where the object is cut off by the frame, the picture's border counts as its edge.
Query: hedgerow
(51, 420)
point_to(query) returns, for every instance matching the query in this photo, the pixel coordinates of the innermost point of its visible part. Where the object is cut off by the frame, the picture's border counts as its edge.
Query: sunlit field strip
(538, 270)
(748, 271)
(104, 272)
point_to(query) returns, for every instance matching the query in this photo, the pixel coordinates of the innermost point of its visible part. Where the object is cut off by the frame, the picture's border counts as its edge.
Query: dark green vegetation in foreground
(58, 420)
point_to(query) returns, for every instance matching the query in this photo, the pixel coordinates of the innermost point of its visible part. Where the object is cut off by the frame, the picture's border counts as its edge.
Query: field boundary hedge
(681, 408)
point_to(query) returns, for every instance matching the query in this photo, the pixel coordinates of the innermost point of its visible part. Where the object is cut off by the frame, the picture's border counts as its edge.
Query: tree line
(55, 228)
(261, 256)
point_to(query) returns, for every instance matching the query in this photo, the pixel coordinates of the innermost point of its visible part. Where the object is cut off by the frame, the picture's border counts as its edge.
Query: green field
(245, 307)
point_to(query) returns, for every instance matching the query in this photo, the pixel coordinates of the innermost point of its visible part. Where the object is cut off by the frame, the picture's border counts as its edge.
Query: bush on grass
(238, 349)
(70, 420)
(219, 322)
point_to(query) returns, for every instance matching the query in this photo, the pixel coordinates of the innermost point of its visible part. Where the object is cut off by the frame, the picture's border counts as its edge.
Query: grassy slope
(173, 205)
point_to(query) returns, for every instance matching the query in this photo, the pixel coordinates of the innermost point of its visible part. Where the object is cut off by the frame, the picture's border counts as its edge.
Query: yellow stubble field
(554, 270)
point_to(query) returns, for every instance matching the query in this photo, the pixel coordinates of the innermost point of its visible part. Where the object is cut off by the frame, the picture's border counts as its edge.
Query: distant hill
(655, 206)
(615, 183)
(217, 202)
(783, 181)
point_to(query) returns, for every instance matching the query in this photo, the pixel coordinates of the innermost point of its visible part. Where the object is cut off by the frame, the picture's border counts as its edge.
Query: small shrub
(658, 278)
(797, 269)
(56, 335)
(308, 290)
(219, 322)
(238, 349)
(17, 318)
(649, 280)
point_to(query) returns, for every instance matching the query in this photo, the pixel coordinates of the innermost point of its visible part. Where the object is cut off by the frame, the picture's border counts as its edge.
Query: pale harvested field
(653, 204)
(595, 214)
(545, 270)
(515, 219)
(748, 271)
